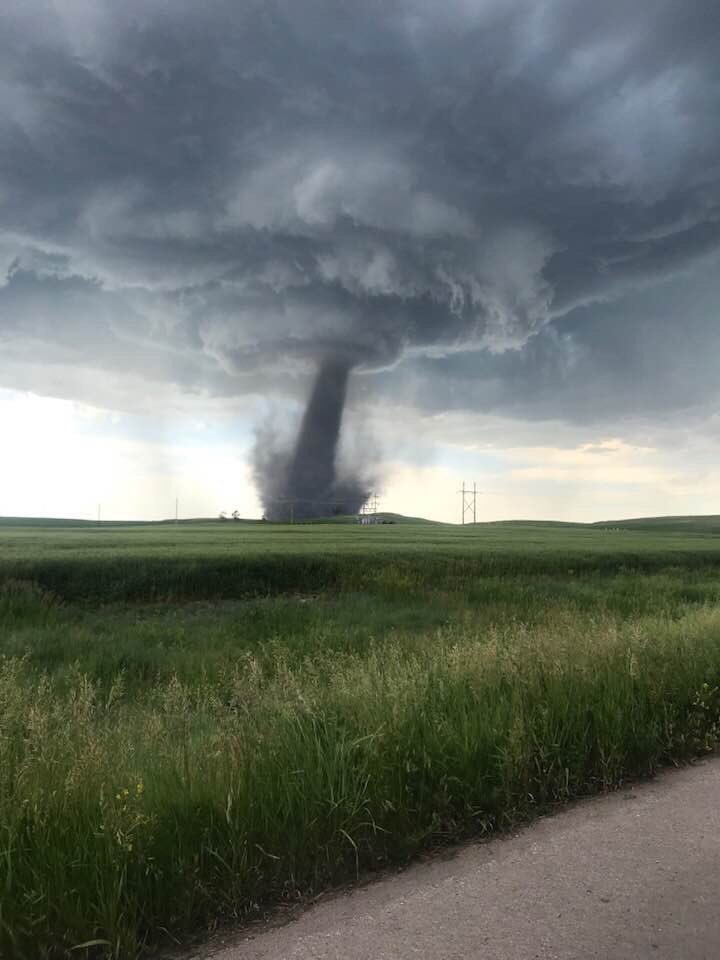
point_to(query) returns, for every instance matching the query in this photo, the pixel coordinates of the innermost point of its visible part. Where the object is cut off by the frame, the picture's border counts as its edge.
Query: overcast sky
(507, 213)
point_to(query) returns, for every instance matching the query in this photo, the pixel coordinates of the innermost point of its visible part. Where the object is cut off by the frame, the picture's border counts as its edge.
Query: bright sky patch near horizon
(506, 215)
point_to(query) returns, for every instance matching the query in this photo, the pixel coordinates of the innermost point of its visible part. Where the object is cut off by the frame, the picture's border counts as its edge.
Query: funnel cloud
(305, 482)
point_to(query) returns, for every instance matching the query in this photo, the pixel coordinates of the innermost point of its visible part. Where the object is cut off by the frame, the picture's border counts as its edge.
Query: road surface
(629, 876)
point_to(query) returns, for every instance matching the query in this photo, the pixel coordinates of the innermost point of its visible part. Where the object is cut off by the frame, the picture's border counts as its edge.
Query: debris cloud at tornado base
(306, 481)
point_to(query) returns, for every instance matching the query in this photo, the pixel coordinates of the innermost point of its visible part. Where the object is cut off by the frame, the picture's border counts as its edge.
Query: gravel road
(628, 876)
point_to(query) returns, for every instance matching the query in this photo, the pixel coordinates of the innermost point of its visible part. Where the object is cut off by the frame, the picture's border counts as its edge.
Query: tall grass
(131, 817)
(198, 723)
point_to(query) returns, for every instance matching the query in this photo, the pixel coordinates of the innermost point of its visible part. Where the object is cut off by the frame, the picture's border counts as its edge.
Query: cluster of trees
(233, 516)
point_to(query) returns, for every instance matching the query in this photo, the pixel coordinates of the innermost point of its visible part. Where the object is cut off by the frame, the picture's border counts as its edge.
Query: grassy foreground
(198, 723)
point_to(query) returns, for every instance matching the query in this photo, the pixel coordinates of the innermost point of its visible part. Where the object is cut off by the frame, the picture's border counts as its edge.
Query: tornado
(306, 483)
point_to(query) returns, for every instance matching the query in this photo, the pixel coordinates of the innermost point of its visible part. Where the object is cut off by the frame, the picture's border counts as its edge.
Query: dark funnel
(311, 472)
(305, 484)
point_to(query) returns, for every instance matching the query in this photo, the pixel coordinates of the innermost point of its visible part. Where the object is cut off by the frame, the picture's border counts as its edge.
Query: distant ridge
(380, 517)
(73, 522)
(530, 523)
(707, 524)
(688, 524)
(692, 524)
(44, 522)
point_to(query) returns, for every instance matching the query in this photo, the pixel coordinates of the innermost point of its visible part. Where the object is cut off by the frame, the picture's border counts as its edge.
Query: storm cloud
(218, 195)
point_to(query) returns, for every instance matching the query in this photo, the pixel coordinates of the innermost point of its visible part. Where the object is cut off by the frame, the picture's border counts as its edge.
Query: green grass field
(200, 721)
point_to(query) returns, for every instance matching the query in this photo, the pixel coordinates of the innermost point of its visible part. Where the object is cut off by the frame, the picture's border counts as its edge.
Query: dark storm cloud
(215, 193)
(652, 355)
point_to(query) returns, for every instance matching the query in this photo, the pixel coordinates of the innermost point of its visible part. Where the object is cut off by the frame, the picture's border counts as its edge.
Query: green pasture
(201, 721)
(237, 560)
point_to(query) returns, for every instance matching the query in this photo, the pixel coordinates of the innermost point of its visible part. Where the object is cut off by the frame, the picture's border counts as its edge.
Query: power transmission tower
(469, 503)
(370, 507)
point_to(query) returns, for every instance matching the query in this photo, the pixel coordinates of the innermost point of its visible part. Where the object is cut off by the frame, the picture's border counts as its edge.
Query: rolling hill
(709, 524)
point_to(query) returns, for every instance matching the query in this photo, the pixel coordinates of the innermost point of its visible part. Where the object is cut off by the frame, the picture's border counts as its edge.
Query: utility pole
(469, 503)
(176, 509)
(98, 520)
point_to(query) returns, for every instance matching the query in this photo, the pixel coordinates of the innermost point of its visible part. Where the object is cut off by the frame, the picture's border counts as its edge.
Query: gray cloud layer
(213, 193)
